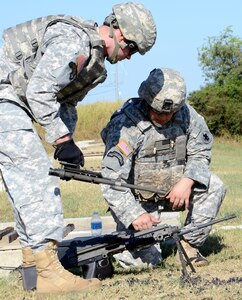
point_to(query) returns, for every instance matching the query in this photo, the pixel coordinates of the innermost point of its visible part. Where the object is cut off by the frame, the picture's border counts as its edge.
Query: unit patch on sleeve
(206, 137)
(124, 147)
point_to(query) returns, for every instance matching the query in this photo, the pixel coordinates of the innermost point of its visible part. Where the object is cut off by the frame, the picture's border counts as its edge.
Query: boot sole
(48, 296)
(45, 295)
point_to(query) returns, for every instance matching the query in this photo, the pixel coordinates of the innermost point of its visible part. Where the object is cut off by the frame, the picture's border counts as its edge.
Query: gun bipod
(184, 259)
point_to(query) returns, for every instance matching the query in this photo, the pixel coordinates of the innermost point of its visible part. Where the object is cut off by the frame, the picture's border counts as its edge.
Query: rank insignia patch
(125, 148)
(117, 155)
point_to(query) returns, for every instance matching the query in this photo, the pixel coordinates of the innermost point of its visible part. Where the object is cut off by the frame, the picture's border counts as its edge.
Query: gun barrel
(96, 178)
(57, 172)
(197, 227)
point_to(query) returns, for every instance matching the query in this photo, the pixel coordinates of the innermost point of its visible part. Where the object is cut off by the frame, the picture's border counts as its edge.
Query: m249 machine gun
(94, 255)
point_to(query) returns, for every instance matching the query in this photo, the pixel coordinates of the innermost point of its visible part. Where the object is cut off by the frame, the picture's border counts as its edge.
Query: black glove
(69, 152)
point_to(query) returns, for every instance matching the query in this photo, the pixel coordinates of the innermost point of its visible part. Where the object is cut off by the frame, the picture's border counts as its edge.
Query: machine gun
(94, 255)
(71, 171)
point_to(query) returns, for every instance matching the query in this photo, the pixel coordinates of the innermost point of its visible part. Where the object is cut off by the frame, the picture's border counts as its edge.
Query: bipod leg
(182, 253)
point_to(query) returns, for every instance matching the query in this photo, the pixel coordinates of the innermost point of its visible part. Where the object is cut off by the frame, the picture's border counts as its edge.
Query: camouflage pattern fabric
(125, 142)
(163, 84)
(24, 164)
(54, 71)
(147, 257)
(136, 24)
(204, 208)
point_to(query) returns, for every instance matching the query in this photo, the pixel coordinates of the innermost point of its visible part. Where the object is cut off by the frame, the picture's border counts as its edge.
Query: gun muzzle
(57, 172)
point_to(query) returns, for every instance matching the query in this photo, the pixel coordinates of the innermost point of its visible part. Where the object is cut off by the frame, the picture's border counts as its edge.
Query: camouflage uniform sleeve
(61, 46)
(121, 143)
(199, 147)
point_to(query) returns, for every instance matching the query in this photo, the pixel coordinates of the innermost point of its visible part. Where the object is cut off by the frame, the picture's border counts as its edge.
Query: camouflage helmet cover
(164, 90)
(136, 24)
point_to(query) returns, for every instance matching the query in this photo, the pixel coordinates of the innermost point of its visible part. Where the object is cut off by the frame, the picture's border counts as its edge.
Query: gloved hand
(69, 152)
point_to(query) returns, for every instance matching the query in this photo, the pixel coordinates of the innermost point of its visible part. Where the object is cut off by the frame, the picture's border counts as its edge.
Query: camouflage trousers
(204, 208)
(33, 194)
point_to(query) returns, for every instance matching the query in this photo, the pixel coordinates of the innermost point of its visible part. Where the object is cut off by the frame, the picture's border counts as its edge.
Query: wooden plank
(5, 231)
(68, 228)
(12, 236)
(8, 238)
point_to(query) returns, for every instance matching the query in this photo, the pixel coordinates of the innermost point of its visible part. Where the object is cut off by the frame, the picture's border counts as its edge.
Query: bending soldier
(47, 66)
(158, 140)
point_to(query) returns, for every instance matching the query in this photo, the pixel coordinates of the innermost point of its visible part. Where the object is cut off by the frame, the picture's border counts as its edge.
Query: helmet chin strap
(113, 57)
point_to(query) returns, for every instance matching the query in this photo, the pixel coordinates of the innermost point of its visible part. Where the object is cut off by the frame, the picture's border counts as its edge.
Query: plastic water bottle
(96, 224)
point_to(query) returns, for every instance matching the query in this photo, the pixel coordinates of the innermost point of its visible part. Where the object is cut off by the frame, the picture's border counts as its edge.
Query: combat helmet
(164, 90)
(136, 24)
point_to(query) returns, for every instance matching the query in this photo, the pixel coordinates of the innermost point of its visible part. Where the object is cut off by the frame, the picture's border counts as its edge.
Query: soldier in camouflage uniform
(47, 65)
(158, 140)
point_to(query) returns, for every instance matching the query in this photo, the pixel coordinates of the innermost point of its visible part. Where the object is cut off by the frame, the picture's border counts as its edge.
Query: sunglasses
(133, 48)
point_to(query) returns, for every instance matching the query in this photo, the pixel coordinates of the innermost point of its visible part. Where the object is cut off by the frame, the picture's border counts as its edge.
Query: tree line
(220, 99)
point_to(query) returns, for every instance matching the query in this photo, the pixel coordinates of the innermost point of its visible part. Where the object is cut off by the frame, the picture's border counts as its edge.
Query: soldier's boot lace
(52, 278)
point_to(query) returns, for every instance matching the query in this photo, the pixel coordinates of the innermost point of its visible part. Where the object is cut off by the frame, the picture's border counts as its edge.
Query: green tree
(220, 100)
(219, 56)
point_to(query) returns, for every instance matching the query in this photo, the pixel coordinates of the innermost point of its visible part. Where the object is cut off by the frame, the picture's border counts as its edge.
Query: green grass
(221, 280)
(92, 118)
(226, 163)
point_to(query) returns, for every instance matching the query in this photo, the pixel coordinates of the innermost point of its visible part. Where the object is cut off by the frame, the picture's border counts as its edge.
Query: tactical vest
(160, 160)
(23, 45)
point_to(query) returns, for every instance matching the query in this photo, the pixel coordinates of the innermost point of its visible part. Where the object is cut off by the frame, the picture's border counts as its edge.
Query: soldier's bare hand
(145, 221)
(180, 193)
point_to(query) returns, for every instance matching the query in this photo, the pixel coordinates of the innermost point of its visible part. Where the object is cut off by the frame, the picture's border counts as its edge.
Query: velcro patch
(124, 147)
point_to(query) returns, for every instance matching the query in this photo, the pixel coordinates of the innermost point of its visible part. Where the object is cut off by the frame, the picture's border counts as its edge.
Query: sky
(183, 26)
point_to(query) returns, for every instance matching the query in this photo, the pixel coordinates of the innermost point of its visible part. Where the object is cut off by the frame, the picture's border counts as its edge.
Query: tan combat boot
(52, 278)
(27, 257)
(28, 269)
(195, 257)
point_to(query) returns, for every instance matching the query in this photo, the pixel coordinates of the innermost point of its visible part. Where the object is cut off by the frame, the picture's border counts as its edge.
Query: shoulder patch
(206, 136)
(124, 147)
